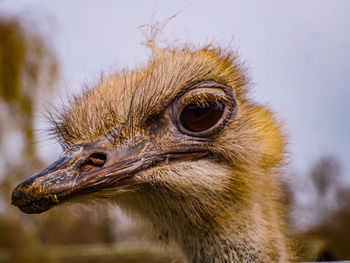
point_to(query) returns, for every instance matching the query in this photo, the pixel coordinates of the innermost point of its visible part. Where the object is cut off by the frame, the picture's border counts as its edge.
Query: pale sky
(298, 53)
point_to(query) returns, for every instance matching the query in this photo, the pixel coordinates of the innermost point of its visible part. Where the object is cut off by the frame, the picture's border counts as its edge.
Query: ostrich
(179, 143)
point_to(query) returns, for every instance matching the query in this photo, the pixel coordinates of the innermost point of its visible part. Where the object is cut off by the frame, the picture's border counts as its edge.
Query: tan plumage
(225, 207)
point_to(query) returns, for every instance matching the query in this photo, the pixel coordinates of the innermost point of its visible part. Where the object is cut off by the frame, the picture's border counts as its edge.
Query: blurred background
(297, 52)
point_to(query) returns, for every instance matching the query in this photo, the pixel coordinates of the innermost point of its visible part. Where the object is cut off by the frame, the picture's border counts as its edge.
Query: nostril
(93, 162)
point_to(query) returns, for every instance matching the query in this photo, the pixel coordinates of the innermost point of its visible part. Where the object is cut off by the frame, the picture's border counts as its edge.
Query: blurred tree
(326, 174)
(330, 234)
(27, 68)
(28, 72)
(335, 226)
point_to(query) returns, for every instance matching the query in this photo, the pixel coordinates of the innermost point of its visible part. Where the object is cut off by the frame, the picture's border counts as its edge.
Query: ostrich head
(179, 143)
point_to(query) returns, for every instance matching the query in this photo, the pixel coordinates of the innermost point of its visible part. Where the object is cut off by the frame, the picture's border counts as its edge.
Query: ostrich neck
(245, 231)
(240, 239)
(213, 245)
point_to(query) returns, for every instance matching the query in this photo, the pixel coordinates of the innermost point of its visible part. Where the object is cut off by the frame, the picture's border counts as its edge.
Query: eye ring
(204, 109)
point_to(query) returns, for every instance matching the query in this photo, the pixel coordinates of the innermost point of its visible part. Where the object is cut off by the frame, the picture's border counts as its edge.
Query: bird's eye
(198, 118)
(204, 110)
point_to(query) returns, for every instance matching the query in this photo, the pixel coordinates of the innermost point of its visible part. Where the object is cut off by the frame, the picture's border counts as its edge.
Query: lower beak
(83, 170)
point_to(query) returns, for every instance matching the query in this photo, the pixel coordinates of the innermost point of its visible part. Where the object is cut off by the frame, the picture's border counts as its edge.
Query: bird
(180, 143)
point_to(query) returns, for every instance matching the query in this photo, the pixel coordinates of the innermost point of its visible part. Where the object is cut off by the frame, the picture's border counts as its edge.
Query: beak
(87, 169)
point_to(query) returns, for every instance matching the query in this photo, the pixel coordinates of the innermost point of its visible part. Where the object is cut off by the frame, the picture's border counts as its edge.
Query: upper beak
(88, 168)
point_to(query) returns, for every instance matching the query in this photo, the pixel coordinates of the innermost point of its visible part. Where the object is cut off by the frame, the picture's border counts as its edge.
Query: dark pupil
(197, 118)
